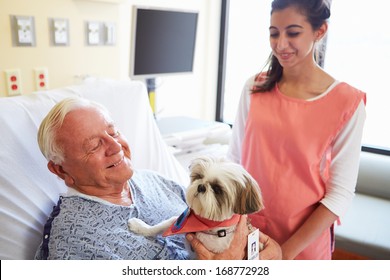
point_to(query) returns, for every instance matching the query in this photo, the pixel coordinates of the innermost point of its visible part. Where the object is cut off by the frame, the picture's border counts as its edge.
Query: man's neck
(116, 195)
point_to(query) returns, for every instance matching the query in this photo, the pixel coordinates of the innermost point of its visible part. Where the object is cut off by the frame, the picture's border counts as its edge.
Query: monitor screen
(163, 42)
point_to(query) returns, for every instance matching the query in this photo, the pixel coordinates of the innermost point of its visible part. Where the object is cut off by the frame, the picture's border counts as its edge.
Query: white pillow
(28, 190)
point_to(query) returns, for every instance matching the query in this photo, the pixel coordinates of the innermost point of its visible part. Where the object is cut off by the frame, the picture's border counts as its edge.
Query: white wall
(191, 94)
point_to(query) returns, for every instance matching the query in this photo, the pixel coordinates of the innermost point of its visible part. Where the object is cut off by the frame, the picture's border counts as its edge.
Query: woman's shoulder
(255, 80)
(347, 89)
(350, 88)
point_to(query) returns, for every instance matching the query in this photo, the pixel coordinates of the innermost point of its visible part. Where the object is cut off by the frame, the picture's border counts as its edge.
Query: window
(357, 52)
(247, 48)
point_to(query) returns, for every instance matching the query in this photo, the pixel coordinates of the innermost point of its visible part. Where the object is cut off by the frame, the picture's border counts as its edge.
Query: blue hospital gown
(81, 227)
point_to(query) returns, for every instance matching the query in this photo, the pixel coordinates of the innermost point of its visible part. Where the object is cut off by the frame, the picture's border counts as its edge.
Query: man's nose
(114, 146)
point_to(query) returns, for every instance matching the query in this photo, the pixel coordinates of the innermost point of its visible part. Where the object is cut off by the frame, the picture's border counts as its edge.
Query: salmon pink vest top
(284, 143)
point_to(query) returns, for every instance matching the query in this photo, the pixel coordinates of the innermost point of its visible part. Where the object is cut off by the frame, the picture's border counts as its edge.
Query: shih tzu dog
(219, 192)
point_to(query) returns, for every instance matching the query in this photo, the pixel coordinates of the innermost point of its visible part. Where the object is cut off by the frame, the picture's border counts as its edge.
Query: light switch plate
(93, 33)
(23, 30)
(109, 33)
(59, 29)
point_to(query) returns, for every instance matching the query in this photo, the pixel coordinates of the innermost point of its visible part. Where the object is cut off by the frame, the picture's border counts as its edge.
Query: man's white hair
(47, 133)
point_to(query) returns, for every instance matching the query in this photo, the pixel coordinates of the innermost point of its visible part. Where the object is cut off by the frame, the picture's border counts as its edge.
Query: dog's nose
(201, 188)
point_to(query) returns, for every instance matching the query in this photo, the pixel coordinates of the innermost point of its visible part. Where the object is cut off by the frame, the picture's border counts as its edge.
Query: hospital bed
(28, 191)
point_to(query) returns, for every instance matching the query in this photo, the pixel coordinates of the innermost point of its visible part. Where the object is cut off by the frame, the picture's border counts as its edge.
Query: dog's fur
(218, 189)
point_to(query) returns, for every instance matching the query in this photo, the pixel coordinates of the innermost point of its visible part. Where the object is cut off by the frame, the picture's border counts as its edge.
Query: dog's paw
(138, 226)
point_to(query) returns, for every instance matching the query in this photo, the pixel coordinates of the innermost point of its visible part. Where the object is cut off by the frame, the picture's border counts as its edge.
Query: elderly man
(85, 149)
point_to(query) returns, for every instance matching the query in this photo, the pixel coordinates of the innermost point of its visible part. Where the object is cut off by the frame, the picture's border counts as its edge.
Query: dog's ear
(249, 199)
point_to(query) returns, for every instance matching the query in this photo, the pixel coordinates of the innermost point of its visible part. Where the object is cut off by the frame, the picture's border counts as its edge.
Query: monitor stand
(151, 85)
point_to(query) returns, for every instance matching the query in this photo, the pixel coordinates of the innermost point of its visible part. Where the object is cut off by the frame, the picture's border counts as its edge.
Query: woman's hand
(271, 250)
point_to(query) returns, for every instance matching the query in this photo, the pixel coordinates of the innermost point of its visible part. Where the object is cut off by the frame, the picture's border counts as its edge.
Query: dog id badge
(253, 245)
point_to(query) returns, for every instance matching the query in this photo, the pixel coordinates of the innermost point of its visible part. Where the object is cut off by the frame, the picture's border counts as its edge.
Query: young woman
(298, 131)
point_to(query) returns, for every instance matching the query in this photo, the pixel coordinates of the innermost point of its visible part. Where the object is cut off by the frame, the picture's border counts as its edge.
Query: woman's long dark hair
(317, 13)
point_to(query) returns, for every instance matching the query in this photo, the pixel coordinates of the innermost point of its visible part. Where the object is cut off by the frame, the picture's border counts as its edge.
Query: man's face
(97, 156)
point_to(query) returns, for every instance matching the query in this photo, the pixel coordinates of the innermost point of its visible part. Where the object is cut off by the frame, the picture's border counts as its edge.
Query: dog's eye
(216, 188)
(196, 176)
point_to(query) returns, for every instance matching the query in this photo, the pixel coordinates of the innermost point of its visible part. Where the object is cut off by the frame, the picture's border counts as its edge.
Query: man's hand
(236, 251)
(238, 247)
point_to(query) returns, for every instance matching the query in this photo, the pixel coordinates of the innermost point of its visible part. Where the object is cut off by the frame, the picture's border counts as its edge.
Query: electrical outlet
(13, 82)
(41, 78)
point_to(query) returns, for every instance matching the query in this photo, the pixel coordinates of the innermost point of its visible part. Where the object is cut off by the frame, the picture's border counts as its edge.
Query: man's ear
(60, 172)
(55, 169)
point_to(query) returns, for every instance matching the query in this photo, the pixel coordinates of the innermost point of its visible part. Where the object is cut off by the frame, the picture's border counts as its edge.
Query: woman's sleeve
(345, 164)
(235, 145)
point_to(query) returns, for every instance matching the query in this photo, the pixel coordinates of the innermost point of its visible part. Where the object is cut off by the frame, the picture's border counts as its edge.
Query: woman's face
(292, 38)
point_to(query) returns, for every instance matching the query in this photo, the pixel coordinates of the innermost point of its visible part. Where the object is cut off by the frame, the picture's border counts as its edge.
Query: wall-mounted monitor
(162, 42)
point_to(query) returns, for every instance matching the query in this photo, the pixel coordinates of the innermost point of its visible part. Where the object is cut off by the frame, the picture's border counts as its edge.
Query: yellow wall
(63, 62)
(191, 94)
